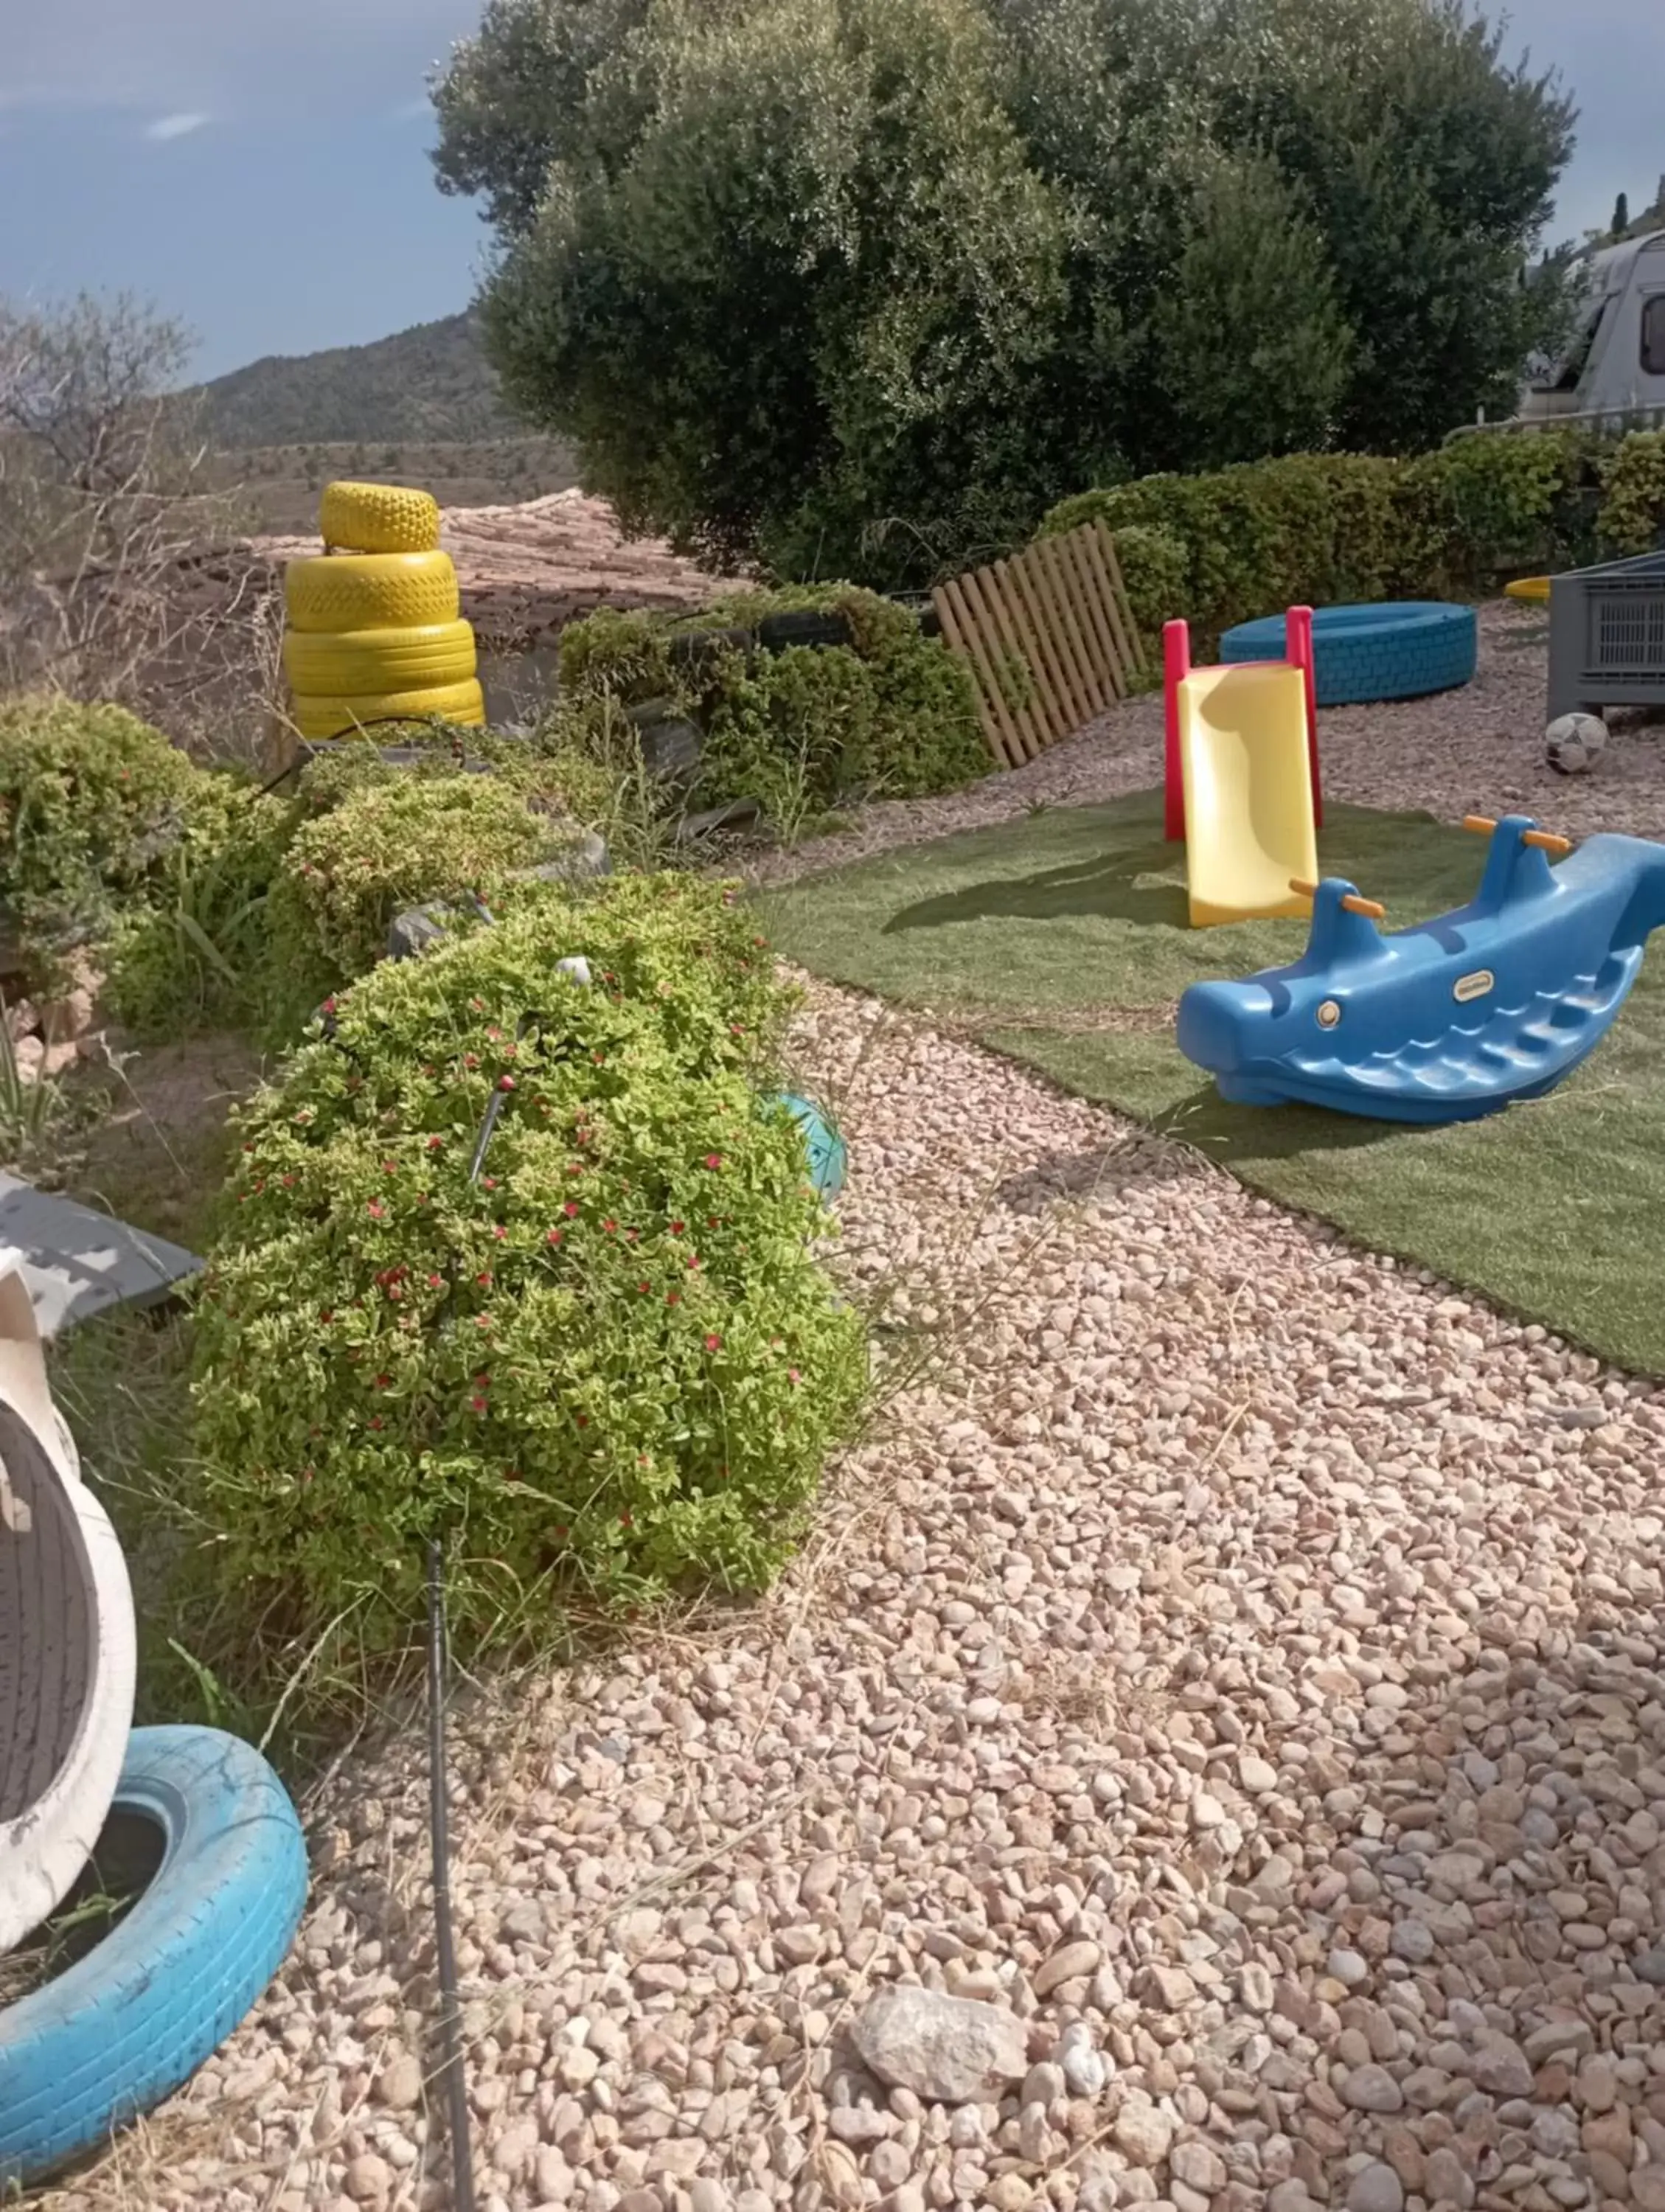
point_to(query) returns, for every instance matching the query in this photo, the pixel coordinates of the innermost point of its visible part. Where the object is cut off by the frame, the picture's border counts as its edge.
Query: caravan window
(1652, 335)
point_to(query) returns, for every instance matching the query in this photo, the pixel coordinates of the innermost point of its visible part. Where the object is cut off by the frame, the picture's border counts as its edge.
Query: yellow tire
(375, 518)
(371, 591)
(316, 717)
(329, 662)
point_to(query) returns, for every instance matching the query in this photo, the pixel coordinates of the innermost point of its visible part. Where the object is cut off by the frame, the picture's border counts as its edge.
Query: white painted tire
(66, 1636)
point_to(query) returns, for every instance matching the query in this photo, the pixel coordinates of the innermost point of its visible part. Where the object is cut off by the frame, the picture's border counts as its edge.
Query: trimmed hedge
(1335, 528)
(892, 714)
(611, 1365)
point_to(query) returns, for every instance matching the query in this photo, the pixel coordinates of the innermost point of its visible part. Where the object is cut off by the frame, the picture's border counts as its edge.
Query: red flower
(631, 1235)
(484, 1278)
(553, 1236)
(477, 1006)
(644, 1286)
(714, 1160)
(477, 1403)
(693, 1259)
(375, 1420)
(382, 1382)
(494, 1032)
(289, 1181)
(506, 1083)
(488, 1182)
(328, 1314)
(434, 1143)
(390, 1167)
(792, 1376)
(673, 1297)
(624, 1521)
(677, 1228)
(471, 1060)
(713, 1343)
(583, 1421)
(483, 1320)
(570, 1208)
(376, 1209)
(482, 1380)
(609, 1226)
(433, 1282)
(328, 1006)
(500, 1232)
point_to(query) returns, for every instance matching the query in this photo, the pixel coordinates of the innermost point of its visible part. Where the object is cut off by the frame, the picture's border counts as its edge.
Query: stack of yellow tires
(374, 631)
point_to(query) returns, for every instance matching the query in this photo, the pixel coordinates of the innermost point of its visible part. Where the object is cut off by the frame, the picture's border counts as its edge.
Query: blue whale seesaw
(1457, 1018)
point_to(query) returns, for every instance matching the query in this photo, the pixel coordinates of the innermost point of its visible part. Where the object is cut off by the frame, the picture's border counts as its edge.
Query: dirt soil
(526, 570)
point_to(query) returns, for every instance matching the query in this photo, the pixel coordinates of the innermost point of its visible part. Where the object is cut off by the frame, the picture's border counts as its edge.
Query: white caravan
(1612, 374)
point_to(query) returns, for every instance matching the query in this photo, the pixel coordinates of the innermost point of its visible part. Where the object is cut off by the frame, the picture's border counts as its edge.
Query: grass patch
(1060, 939)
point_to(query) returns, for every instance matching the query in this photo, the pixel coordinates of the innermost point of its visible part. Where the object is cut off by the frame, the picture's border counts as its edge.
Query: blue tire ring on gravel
(1398, 650)
(126, 2025)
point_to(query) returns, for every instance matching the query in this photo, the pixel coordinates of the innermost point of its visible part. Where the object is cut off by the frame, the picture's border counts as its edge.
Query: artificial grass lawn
(1061, 940)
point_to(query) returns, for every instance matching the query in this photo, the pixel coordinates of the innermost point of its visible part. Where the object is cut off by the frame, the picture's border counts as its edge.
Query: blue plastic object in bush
(1398, 650)
(828, 1158)
(1455, 1017)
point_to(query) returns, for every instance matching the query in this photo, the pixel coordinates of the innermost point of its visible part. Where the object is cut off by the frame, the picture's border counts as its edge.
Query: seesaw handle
(1350, 900)
(1545, 840)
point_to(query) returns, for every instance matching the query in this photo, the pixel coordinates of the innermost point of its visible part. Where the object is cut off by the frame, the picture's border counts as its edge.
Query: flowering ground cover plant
(608, 1360)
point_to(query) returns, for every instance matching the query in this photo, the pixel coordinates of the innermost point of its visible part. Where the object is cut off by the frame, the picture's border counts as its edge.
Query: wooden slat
(983, 589)
(1049, 714)
(1140, 663)
(1105, 694)
(1059, 705)
(1093, 595)
(1092, 553)
(1029, 741)
(1083, 690)
(1003, 739)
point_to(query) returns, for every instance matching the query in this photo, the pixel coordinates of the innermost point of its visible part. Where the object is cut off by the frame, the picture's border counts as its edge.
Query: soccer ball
(1573, 742)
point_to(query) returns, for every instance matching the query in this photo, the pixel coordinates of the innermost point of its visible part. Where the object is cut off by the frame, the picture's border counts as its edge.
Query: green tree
(865, 285)
(1621, 216)
(816, 291)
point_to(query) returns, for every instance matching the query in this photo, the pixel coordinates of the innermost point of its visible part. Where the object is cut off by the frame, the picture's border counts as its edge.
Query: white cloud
(173, 126)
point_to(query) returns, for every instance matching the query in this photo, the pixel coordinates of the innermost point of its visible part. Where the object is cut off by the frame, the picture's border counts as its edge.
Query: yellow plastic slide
(1248, 824)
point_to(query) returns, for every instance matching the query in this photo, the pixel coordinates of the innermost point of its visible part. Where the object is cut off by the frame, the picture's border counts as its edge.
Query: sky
(261, 171)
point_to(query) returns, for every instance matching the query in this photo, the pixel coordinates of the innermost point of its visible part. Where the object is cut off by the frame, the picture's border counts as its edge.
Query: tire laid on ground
(318, 715)
(328, 664)
(1398, 650)
(131, 2021)
(377, 518)
(371, 591)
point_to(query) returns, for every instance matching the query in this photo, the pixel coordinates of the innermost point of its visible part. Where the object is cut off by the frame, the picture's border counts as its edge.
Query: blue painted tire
(129, 2023)
(829, 1158)
(1398, 650)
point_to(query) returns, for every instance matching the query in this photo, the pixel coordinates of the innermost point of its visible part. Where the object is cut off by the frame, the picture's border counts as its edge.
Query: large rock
(950, 2050)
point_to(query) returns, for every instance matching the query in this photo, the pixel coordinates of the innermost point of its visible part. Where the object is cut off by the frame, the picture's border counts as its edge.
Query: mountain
(429, 384)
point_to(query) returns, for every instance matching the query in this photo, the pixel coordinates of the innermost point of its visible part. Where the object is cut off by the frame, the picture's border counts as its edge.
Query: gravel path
(1234, 1671)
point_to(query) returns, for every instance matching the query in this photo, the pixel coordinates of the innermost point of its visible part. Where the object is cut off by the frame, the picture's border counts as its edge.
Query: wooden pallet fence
(1049, 636)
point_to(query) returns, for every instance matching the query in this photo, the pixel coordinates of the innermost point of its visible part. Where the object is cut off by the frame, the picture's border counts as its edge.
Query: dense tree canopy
(862, 285)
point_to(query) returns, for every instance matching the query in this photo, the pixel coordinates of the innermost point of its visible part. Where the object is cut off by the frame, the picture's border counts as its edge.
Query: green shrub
(1328, 529)
(611, 1364)
(893, 714)
(1633, 495)
(92, 802)
(383, 846)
